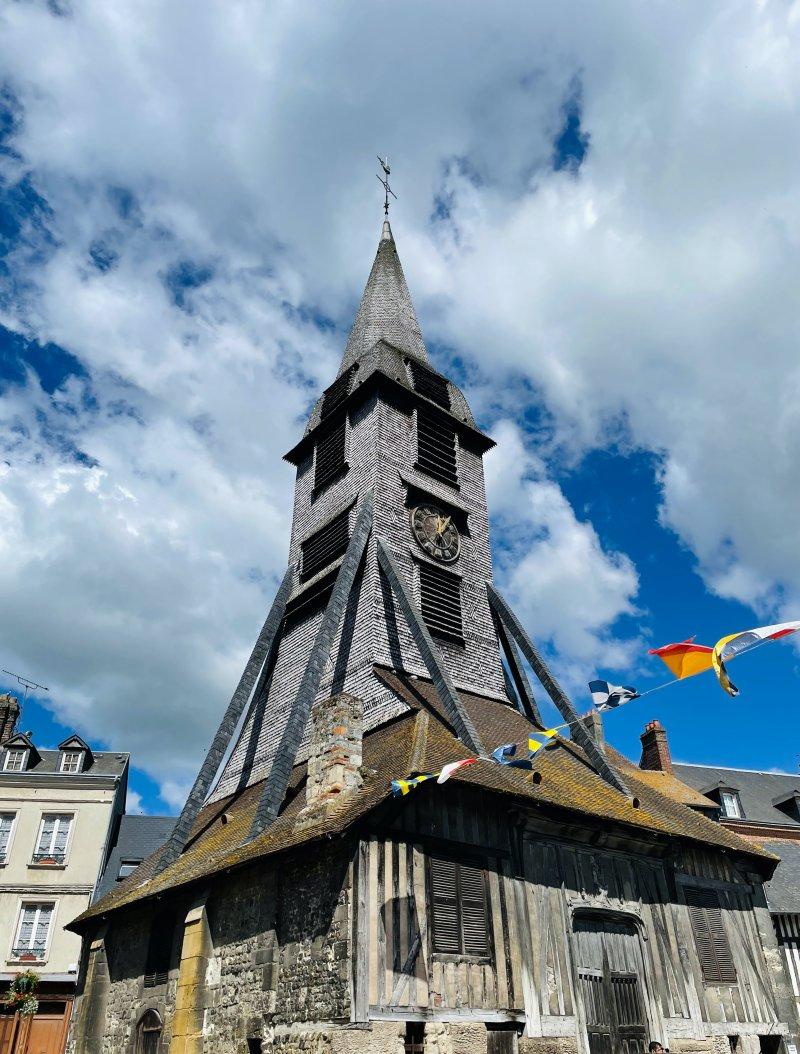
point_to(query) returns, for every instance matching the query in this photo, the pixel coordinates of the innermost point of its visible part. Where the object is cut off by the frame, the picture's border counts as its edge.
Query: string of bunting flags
(684, 659)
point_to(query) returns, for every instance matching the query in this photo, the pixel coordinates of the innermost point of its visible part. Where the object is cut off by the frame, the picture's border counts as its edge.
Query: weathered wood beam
(519, 677)
(461, 720)
(208, 770)
(278, 779)
(561, 700)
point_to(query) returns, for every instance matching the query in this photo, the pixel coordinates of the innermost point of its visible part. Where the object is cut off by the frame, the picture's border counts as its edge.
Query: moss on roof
(218, 842)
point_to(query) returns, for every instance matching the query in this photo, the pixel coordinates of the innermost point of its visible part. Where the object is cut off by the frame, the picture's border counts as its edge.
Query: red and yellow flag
(685, 659)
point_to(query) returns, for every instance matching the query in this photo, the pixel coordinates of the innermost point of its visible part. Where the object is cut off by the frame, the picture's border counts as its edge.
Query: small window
(159, 950)
(126, 868)
(440, 600)
(429, 384)
(330, 457)
(32, 932)
(72, 761)
(458, 903)
(436, 446)
(731, 805)
(6, 827)
(711, 939)
(148, 1034)
(327, 545)
(51, 846)
(15, 760)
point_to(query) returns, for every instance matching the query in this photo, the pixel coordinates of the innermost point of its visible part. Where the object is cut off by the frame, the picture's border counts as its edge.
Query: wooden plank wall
(535, 885)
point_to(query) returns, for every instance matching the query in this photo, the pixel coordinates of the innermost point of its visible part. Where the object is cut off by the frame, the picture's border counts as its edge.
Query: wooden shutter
(458, 905)
(336, 394)
(330, 457)
(436, 446)
(440, 600)
(327, 545)
(444, 904)
(708, 927)
(429, 384)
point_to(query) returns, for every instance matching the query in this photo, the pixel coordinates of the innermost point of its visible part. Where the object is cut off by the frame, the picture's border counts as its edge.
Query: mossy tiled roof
(423, 743)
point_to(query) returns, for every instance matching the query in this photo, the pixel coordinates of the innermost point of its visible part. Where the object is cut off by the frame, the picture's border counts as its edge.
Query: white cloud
(652, 299)
(568, 591)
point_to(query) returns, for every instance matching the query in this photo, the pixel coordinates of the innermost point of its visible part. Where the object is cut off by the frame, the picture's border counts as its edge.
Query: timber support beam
(515, 629)
(278, 779)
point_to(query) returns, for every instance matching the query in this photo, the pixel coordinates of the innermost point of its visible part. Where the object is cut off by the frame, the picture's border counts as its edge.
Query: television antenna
(26, 684)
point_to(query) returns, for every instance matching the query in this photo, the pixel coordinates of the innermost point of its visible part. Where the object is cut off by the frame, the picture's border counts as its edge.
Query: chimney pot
(655, 748)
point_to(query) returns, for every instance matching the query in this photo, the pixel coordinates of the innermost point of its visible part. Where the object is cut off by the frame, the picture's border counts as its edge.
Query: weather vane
(385, 183)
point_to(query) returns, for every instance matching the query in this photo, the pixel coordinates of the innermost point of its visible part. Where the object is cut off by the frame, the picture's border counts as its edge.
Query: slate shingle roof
(757, 790)
(104, 763)
(416, 742)
(137, 838)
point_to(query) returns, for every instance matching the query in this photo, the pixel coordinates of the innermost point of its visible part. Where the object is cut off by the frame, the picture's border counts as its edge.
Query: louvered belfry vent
(330, 457)
(327, 545)
(436, 446)
(429, 384)
(708, 927)
(336, 394)
(440, 600)
(159, 950)
(458, 901)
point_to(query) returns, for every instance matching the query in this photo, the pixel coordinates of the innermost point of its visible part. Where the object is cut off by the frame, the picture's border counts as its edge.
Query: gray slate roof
(104, 763)
(757, 790)
(386, 311)
(783, 890)
(137, 838)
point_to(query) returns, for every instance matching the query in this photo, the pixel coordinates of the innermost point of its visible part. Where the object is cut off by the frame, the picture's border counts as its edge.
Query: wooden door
(8, 1029)
(47, 1030)
(609, 967)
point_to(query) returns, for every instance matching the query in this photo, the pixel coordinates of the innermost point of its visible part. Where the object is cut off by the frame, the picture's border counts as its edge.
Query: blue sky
(599, 222)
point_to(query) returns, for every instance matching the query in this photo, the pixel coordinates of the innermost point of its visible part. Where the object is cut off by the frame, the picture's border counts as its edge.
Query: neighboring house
(137, 837)
(59, 810)
(300, 907)
(763, 807)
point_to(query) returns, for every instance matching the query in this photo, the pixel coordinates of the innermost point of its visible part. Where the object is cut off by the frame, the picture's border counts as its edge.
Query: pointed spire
(386, 312)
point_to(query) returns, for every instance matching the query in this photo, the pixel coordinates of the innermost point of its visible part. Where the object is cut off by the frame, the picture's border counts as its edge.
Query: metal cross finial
(384, 163)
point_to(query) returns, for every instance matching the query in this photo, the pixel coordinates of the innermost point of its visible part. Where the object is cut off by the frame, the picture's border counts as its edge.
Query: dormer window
(731, 805)
(72, 761)
(15, 760)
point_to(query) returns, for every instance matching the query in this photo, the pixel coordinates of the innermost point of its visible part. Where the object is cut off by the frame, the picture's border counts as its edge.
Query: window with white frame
(731, 806)
(33, 931)
(51, 845)
(72, 761)
(14, 760)
(6, 827)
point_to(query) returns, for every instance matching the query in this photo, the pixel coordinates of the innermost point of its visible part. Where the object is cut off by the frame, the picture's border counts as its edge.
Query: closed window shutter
(473, 910)
(327, 545)
(458, 903)
(430, 384)
(436, 446)
(708, 927)
(329, 457)
(440, 601)
(159, 950)
(444, 900)
(336, 394)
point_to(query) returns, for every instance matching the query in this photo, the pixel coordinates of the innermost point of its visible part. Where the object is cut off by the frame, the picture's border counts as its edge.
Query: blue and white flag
(606, 696)
(505, 756)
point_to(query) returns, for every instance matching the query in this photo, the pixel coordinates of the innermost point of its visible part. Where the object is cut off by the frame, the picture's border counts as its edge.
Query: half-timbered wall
(539, 891)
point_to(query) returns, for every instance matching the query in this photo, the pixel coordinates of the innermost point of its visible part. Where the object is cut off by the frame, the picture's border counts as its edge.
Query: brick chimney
(9, 715)
(655, 748)
(334, 764)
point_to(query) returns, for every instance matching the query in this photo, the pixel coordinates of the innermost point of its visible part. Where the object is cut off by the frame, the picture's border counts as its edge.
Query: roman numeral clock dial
(436, 533)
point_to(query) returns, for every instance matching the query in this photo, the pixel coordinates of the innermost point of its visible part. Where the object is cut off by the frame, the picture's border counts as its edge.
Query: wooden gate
(608, 966)
(44, 1033)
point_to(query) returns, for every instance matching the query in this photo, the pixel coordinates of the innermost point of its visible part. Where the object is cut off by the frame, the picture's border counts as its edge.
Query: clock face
(436, 533)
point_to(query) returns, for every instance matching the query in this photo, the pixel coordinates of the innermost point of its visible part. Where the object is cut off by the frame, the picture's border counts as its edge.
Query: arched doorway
(148, 1035)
